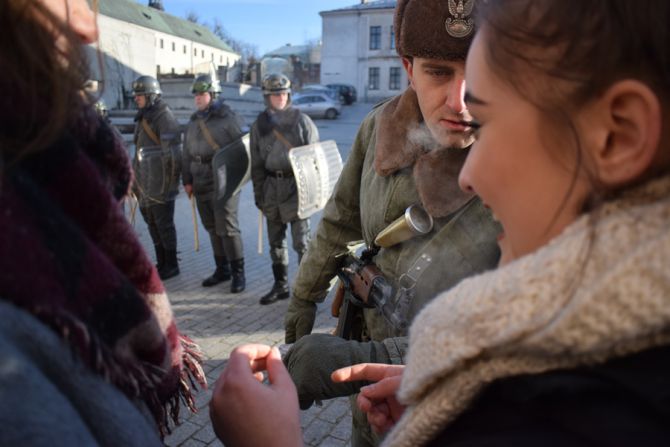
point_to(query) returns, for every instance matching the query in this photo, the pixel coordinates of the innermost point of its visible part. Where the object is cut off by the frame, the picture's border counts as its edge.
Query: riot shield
(231, 167)
(316, 168)
(157, 170)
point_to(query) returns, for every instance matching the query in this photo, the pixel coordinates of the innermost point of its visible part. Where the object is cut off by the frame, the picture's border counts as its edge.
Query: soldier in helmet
(212, 127)
(276, 130)
(157, 166)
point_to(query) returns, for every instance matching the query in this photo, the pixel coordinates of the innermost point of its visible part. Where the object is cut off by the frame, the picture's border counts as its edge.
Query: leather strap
(151, 133)
(283, 139)
(208, 135)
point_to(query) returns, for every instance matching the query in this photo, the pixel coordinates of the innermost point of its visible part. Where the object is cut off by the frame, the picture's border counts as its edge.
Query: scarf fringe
(139, 382)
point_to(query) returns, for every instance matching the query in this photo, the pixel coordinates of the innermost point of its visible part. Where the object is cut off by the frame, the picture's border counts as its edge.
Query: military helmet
(146, 85)
(204, 83)
(276, 83)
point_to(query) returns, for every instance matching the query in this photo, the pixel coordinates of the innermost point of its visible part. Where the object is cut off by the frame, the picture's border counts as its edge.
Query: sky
(267, 24)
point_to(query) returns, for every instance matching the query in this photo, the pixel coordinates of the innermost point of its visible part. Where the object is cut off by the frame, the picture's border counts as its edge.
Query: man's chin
(458, 141)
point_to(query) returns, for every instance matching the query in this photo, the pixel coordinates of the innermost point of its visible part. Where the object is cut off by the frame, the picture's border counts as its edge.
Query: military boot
(171, 267)
(280, 290)
(222, 272)
(160, 256)
(239, 282)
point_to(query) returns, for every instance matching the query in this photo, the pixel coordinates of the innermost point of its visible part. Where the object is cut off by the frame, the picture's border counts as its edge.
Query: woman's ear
(625, 124)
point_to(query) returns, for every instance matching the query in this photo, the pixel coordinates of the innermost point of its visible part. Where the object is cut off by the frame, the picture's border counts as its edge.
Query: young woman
(89, 349)
(568, 342)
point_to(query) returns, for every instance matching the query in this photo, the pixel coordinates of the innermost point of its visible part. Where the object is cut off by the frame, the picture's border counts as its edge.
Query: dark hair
(578, 48)
(40, 82)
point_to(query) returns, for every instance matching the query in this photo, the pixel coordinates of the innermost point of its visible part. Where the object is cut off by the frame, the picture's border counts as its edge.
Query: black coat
(623, 402)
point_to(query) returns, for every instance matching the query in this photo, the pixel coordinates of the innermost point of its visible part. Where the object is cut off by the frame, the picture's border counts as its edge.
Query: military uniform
(157, 208)
(224, 127)
(461, 243)
(275, 189)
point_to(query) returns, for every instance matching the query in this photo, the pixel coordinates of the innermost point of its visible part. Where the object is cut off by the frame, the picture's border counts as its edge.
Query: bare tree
(192, 16)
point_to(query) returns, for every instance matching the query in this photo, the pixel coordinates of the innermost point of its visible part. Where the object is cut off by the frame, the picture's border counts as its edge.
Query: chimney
(157, 4)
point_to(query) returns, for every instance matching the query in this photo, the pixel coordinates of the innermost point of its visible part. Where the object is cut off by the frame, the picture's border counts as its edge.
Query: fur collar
(569, 304)
(403, 141)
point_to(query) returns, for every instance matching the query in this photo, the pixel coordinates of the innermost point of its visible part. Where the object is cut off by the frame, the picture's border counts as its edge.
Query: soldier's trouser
(222, 225)
(160, 220)
(300, 236)
(362, 434)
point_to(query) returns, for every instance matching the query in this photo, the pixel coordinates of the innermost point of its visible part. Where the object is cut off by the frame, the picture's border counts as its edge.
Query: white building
(138, 40)
(359, 49)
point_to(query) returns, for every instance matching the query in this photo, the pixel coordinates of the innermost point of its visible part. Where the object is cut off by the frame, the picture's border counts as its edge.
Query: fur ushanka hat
(434, 29)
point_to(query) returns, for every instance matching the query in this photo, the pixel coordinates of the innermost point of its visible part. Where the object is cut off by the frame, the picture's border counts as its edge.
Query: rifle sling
(208, 135)
(152, 135)
(283, 139)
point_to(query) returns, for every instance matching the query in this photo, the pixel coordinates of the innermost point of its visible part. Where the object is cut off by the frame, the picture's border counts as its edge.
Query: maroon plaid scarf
(70, 258)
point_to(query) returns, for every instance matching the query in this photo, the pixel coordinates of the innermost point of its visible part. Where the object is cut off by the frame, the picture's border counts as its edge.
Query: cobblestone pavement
(220, 321)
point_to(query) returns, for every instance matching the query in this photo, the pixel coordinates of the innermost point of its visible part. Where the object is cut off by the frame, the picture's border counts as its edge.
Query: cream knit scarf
(599, 290)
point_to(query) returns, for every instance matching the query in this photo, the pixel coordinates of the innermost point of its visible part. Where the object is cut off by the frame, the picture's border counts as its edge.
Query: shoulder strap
(151, 133)
(283, 139)
(208, 135)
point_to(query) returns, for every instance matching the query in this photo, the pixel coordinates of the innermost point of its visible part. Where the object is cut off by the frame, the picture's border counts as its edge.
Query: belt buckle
(279, 174)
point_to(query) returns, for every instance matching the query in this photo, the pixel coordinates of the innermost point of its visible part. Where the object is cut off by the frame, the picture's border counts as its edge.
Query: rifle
(367, 288)
(362, 284)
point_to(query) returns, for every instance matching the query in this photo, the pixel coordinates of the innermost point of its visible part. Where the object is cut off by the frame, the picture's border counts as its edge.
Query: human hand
(246, 412)
(189, 190)
(313, 358)
(299, 319)
(378, 400)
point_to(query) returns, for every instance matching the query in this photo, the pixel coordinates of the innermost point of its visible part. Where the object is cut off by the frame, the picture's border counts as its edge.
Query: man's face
(278, 101)
(440, 86)
(141, 101)
(202, 100)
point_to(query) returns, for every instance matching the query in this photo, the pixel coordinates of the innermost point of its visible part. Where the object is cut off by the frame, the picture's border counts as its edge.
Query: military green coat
(362, 205)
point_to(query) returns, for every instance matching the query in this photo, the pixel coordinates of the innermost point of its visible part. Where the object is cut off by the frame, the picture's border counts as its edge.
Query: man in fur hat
(409, 150)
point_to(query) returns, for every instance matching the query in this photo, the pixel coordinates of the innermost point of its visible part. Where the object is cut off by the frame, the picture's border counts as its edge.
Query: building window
(392, 43)
(184, 49)
(394, 78)
(221, 59)
(375, 37)
(202, 53)
(174, 46)
(195, 52)
(158, 69)
(373, 78)
(161, 43)
(212, 57)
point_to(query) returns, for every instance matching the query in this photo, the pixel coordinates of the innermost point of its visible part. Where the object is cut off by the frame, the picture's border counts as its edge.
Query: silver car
(317, 105)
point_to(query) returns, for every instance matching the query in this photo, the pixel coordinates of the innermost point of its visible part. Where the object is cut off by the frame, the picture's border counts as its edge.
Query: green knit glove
(299, 319)
(312, 359)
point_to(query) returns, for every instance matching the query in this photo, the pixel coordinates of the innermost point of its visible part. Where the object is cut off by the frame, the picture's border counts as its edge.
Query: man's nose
(456, 94)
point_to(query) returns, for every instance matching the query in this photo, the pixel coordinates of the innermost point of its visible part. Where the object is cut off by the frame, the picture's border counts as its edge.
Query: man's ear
(626, 123)
(409, 68)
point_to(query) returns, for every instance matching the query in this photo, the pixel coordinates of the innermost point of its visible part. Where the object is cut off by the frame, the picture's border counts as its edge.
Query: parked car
(317, 105)
(347, 92)
(318, 88)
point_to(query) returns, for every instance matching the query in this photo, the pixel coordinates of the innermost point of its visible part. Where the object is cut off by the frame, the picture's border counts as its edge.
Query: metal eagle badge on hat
(460, 25)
